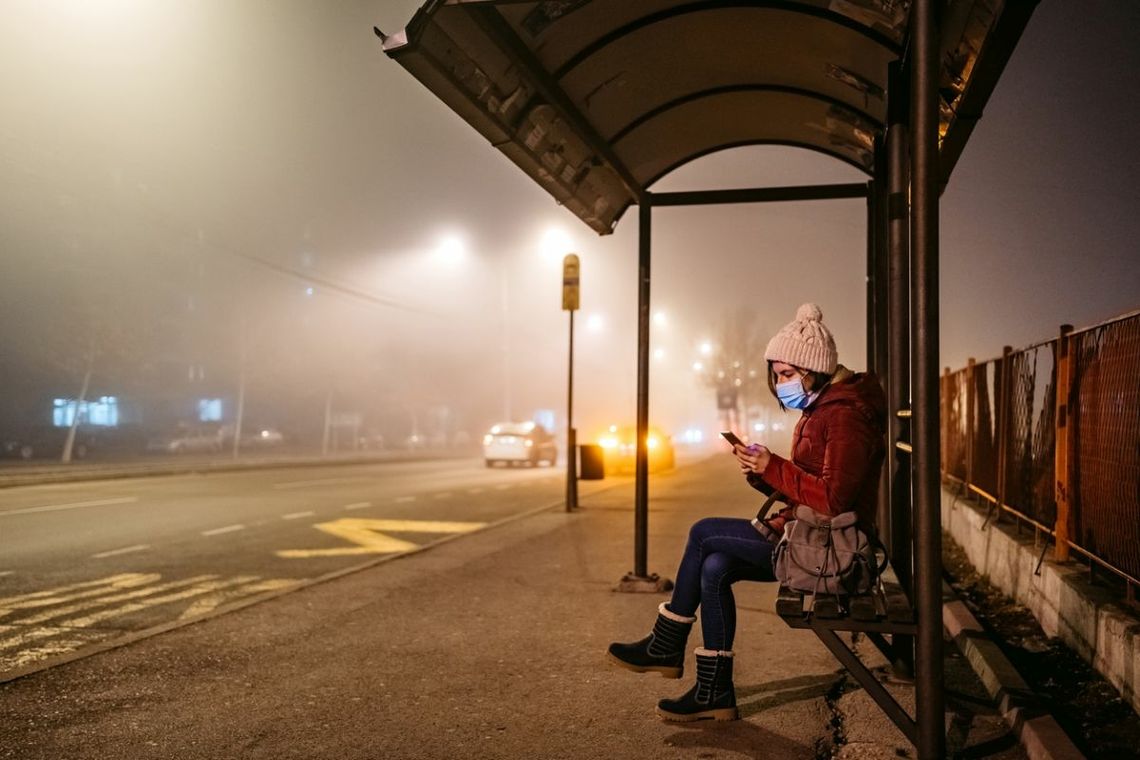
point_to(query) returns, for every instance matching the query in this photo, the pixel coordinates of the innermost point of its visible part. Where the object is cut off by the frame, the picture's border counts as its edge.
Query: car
(47, 443)
(260, 438)
(188, 439)
(619, 444)
(526, 443)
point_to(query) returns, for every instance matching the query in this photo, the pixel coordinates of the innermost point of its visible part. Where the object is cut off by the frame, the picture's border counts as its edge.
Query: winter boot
(662, 651)
(711, 697)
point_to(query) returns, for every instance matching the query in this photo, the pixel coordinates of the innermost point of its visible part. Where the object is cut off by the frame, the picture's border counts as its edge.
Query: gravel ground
(1084, 703)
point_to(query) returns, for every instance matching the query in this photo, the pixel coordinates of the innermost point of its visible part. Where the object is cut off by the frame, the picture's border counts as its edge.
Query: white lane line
(474, 490)
(358, 505)
(404, 499)
(297, 515)
(322, 482)
(219, 531)
(72, 505)
(124, 550)
(6, 572)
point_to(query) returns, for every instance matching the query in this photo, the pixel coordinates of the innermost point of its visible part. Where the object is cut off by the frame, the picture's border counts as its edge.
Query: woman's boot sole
(665, 671)
(721, 713)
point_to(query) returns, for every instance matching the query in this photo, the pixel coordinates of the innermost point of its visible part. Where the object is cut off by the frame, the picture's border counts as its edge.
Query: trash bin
(591, 462)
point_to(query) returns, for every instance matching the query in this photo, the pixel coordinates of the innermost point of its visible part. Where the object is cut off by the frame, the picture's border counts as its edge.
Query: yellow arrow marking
(369, 536)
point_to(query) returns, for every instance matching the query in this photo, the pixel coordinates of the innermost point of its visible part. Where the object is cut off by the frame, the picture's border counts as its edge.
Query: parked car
(261, 438)
(526, 443)
(188, 439)
(620, 447)
(47, 443)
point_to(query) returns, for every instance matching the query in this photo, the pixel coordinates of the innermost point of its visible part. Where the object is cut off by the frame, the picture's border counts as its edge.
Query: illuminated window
(103, 411)
(210, 410)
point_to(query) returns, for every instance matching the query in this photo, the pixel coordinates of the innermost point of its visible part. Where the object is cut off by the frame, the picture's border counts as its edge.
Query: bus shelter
(596, 100)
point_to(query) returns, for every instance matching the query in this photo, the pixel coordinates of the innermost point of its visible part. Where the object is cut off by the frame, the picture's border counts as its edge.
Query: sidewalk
(490, 646)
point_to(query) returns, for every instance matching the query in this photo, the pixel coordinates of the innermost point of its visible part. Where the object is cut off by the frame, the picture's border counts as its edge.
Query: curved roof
(598, 99)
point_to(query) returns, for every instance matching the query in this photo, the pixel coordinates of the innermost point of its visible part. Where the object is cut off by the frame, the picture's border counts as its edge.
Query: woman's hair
(813, 381)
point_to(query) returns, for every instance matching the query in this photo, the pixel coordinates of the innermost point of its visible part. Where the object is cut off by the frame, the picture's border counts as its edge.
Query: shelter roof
(598, 99)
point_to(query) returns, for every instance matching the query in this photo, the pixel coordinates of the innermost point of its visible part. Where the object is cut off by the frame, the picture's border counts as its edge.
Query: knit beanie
(805, 342)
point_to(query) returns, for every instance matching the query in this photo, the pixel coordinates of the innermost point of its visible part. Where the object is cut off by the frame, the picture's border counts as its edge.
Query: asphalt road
(83, 563)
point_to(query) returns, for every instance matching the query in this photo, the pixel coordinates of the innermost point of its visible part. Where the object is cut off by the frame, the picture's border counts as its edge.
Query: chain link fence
(1002, 423)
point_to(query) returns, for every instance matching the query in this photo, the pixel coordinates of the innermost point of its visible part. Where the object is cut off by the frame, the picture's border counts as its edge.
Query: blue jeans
(720, 552)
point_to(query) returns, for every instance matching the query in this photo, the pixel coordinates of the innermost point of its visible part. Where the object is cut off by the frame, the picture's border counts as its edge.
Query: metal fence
(1067, 464)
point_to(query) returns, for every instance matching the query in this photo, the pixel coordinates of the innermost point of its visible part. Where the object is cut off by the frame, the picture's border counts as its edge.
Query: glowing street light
(595, 323)
(659, 319)
(705, 348)
(451, 251)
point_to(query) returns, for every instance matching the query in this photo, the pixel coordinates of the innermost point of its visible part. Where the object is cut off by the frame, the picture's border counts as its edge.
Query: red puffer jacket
(837, 451)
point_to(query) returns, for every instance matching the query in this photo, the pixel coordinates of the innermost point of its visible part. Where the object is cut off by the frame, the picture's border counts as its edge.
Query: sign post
(570, 282)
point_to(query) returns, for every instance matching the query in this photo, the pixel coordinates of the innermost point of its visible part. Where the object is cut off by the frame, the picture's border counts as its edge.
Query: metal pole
(1061, 437)
(929, 707)
(898, 325)
(898, 320)
(571, 433)
(641, 477)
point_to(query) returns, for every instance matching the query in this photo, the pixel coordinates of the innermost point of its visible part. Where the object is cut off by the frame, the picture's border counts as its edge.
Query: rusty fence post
(971, 426)
(1061, 448)
(1005, 401)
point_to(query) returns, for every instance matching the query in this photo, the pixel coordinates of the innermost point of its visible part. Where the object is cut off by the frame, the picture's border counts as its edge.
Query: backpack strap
(776, 496)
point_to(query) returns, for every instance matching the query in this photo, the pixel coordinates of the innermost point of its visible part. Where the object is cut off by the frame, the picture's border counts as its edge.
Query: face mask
(792, 394)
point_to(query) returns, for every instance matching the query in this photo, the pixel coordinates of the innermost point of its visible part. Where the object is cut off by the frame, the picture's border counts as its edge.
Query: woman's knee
(713, 570)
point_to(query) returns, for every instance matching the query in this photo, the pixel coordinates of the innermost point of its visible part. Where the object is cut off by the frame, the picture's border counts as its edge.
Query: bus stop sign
(570, 282)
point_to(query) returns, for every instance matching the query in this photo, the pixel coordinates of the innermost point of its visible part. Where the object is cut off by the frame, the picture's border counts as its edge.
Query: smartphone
(731, 437)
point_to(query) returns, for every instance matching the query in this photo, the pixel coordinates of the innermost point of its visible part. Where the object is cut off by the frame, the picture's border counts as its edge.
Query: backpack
(827, 554)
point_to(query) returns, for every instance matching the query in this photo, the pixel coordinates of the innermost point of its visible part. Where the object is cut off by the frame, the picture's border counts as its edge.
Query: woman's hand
(752, 458)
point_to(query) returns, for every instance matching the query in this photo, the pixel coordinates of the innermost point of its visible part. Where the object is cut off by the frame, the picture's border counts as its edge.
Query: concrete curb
(1037, 730)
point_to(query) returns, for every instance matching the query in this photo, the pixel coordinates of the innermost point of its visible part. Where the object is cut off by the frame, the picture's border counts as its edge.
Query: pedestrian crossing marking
(370, 536)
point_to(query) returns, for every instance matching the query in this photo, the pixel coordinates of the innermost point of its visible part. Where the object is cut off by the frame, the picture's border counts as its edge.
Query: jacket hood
(862, 390)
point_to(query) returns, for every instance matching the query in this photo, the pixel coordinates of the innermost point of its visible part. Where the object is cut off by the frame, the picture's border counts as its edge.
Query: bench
(872, 614)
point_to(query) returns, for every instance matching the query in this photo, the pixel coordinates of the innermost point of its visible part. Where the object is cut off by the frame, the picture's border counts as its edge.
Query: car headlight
(651, 442)
(487, 439)
(607, 442)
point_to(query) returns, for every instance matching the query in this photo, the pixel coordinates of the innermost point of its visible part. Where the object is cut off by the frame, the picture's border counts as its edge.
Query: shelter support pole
(929, 698)
(877, 298)
(897, 533)
(640, 579)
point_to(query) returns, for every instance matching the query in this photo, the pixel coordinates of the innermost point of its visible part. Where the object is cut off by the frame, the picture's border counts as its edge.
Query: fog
(220, 204)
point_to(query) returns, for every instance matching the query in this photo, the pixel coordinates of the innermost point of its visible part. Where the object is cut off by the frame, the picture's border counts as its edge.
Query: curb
(1037, 730)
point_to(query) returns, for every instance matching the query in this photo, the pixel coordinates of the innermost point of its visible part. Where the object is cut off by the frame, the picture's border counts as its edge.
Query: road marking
(358, 505)
(64, 593)
(219, 531)
(6, 572)
(443, 495)
(297, 515)
(369, 538)
(124, 550)
(474, 490)
(72, 505)
(404, 499)
(92, 602)
(210, 602)
(504, 486)
(103, 601)
(322, 482)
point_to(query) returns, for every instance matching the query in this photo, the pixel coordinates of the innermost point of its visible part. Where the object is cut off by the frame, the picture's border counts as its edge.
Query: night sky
(136, 132)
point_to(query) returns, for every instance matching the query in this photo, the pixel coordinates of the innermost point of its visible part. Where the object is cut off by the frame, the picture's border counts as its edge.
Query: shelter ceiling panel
(724, 48)
(560, 31)
(684, 133)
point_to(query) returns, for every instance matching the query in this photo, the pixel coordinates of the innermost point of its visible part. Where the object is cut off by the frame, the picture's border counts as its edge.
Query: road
(84, 563)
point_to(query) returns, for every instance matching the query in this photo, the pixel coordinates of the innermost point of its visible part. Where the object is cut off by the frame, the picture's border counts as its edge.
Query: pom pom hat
(805, 342)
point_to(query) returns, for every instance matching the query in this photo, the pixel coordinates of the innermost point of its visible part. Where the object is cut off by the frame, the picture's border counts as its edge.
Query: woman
(837, 452)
